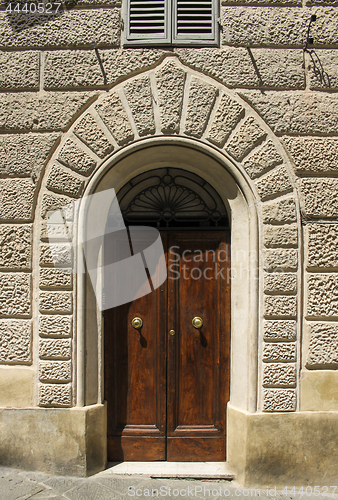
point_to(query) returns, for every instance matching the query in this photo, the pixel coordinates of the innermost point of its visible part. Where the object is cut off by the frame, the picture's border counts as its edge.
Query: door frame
(233, 187)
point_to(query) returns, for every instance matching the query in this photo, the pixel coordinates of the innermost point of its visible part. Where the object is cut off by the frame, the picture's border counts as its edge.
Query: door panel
(135, 381)
(197, 360)
(167, 394)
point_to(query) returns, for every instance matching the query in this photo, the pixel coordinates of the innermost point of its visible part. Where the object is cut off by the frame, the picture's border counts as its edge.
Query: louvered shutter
(195, 22)
(147, 20)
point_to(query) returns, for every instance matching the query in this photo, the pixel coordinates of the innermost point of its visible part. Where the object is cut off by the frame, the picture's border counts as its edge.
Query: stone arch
(172, 104)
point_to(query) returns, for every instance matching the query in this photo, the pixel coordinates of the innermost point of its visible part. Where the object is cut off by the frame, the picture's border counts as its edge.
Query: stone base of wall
(69, 442)
(263, 449)
(279, 449)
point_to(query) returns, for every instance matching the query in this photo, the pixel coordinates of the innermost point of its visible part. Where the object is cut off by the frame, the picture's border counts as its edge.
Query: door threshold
(172, 470)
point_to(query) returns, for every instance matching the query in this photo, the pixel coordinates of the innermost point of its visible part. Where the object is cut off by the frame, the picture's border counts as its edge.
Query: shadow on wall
(318, 69)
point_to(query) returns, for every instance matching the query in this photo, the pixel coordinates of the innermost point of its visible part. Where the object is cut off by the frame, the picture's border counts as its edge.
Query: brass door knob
(137, 323)
(197, 322)
(171, 332)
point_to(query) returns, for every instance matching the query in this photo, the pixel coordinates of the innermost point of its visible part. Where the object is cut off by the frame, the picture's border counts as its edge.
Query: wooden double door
(167, 383)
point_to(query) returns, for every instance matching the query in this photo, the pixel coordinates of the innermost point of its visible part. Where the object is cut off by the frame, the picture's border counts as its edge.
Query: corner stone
(55, 326)
(279, 400)
(276, 330)
(59, 395)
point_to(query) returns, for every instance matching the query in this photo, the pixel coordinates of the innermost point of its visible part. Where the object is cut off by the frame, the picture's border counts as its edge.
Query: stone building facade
(257, 117)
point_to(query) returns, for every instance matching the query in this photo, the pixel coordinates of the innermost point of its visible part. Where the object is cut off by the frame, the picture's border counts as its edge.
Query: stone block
(281, 236)
(170, 87)
(55, 348)
(281, 259)
(73, 28)
(263, 26)
(279, 375)
(55, 254)
(323, 69)
(65, 69)
(16, 247)
(72, 69)
(279, 400)
(93, 136)
(56, 278)
(279, 211)
(322, 248)
(55, 326)
(52, 202)
(201, 100)
(262, 160)
(59, 232)
(277, 26)
(25, 154)
(15, 294)
(56, 302)
(55, 371)
(295, 112)
(140, 100)
(62, 181)
(274, 330)
(19, 70)
(245, 139)
(16, 199)
(279, 306)
(29, 111)
(280, 351)
(319, 197)
(323, 346)
(76, 159)
(274, 183)
(233, 66)
(15, 341)
(322, 295)
(228, 114)
(313, 154)
(280, 283)
(115, 118)
(55, 395)
(279, 68)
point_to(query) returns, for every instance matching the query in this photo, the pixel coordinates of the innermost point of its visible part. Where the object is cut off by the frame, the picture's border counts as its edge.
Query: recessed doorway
(167, 354)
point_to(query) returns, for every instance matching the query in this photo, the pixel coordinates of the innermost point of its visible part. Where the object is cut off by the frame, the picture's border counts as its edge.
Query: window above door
(171, 22)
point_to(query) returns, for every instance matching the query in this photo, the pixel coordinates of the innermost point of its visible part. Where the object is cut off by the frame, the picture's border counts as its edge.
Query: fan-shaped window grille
(172, 198)
(171, 22)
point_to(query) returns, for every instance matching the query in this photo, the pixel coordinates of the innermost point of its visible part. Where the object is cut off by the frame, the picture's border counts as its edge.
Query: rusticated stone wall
(257, 92)
(174, 100)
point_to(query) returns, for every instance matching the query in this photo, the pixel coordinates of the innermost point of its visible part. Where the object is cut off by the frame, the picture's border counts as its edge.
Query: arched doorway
(167, 354)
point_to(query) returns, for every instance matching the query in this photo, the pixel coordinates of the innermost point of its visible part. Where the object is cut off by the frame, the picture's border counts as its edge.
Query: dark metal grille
(170, 197)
